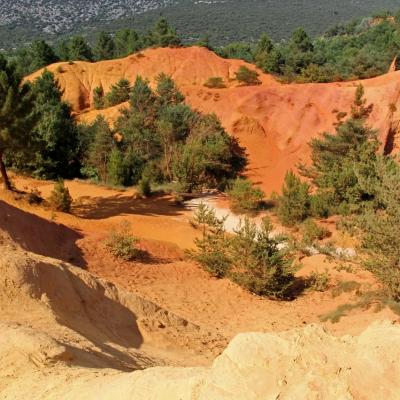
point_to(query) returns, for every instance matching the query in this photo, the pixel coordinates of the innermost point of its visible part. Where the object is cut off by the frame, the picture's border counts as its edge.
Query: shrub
(345, 287)
(119, 93)
(34, 196)
(98, 98)
(122, 243)
(294, 203)
(244, 196)
(313, 232)
(251, 257)
(318, 281)
(205, 217)
(145, 187)
(212, 248)
(60, 199)
(215, 82)
(258, 261)
(247, 76)
(319, 205)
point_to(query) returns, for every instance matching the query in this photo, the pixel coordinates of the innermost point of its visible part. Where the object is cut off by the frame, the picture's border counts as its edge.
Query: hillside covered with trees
(355, 50)
(55, 19)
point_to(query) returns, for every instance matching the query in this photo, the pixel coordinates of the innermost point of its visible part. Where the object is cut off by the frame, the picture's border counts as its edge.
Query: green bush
(244, 196)
(313, 232)
(98, 98)
(247, 76)
(318, 281)
(145, 187)
(260, 262)
(121, 243)
(212, 248)
(60, 199)
(215, 82)
(34, 197)
(250, 257)
(294, 203)
(119, 93)
(319, 205)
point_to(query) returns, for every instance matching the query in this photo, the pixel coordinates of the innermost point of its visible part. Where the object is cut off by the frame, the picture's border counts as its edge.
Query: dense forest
(357, 49)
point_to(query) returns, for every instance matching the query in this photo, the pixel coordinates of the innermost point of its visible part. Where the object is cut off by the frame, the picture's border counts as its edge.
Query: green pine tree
(79, 50)
(16, 115)
(100, 149)
(294, 203)
(55, 133)
(105, 47)
(127, 41)
(119, 93)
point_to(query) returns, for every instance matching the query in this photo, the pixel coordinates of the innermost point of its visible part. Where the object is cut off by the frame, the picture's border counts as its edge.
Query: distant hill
(22, 21)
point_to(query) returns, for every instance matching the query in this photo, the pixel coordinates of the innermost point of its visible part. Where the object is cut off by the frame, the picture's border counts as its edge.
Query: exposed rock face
(274, 121)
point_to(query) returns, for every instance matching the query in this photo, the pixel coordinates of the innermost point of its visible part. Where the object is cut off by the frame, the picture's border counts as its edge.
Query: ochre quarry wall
(274, 121)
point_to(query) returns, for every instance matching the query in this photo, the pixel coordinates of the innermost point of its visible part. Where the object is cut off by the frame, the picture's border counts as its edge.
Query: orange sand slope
(273, 121)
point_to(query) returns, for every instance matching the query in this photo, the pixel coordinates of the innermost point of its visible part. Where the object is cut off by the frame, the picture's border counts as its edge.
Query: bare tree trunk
(6, 180)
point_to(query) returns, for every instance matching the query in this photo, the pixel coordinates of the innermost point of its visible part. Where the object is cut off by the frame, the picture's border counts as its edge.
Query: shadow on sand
(41, 236)
(100, 207)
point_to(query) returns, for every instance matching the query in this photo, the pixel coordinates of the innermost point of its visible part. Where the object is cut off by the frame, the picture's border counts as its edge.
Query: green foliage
(118, 94)
(258, 263)
(205, 217)
(100, 148)
(381, 230)
(116, 174)
(159, 138)
(204, 41)
(320, 205)
(163, 35)
(62, 50)
(192, 149)
(212, 248)
(145, 187)
(318, 281)
(215, 82)
(127, 41)
(343, 163)
(345, 287)
(313, 232)
(55, 135)
(60, 199)
(98, 98)
(244, 196)
(251, 257)
(105, 47)
(167, 91)
(294, 203)
(34, 196)
(121, 243)
(241, 51)
(247, 76)
(38, 55)
(16, 116)
(79, 49)
(208, 19)
(358, 49)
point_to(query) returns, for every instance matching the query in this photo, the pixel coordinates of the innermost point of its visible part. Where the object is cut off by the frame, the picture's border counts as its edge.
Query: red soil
(274, 121)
